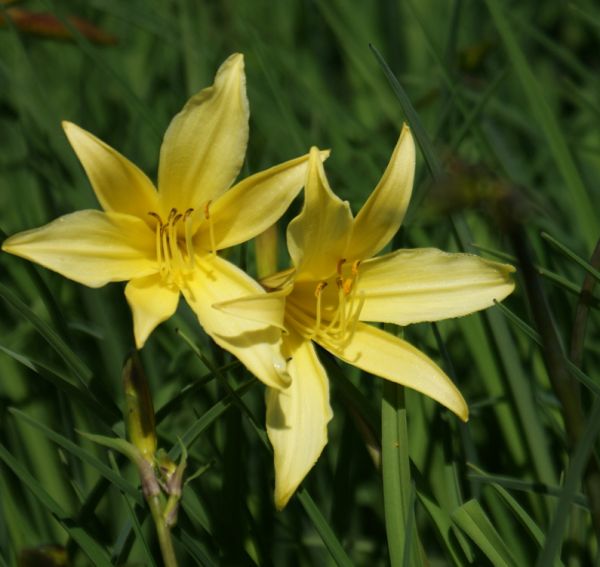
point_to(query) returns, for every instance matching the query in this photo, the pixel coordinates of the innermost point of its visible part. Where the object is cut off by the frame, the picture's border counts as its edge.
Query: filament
(158, 242)
(211, 231)
(172, 261)
(187, 222)
(350, 302)
(319, 289)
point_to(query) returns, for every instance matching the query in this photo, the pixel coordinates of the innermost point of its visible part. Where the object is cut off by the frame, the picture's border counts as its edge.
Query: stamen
(347, 285)
(210, 227)
(158, 233)
(318, 290)
(342, 308)
(173, 244)
(347, 314)
(166, 248)
(354, 318)
(174, 262)
(187, 221)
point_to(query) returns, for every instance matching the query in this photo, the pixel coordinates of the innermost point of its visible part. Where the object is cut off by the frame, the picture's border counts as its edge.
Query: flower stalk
(161, 478)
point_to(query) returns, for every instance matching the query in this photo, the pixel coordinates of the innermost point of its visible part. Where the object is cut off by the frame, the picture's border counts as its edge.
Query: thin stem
(163, 531)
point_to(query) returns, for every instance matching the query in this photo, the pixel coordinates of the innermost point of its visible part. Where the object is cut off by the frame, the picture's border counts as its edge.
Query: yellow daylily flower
(336, 285)
(164, 241)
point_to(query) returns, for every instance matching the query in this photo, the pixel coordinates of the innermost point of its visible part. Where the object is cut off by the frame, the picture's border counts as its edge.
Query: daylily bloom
(165, 241)
(336, 284)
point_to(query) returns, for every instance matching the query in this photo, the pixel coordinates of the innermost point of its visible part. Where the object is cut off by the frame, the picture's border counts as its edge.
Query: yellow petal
(89, 247)
(119, 185)
(204, 146)
(256, 344)
(318, 236)
(266, 251)
(151, 302)
(297, 419)
(385, 355)
(254, 204)
(382, 214)
(267, 308)
(426, 284)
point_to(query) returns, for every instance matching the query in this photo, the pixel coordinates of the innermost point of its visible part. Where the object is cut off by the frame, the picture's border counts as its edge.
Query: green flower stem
(403, 542)
(163, 531)
(152, 494)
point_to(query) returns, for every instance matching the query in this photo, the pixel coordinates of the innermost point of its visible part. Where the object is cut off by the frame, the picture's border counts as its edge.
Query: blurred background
(504, 101)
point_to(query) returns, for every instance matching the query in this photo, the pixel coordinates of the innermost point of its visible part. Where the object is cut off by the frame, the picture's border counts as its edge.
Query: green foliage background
(503, 98)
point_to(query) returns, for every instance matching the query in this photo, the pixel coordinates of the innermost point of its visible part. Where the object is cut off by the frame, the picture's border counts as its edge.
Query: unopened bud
(139, 408)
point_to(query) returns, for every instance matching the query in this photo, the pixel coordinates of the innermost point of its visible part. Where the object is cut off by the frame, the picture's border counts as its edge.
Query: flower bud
(139, 410)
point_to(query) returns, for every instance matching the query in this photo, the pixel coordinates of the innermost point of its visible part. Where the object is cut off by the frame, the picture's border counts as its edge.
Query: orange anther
(207, 210)
(156, 216)
(347, 285)
(320, 287)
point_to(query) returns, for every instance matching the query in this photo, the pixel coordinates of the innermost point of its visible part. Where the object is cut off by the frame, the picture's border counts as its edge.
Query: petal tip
(314, 152)
(237, 58)
(6, 245)
(234, 62)
(140, 341)
(282, 498)
(69, 126)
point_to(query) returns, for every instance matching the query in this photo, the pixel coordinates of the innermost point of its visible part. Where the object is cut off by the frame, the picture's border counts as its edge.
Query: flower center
(336, 315)
(174, 247)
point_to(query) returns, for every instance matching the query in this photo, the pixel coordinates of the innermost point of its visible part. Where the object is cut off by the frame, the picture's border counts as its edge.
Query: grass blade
(472, 519)
(584, 211)
(397, 486)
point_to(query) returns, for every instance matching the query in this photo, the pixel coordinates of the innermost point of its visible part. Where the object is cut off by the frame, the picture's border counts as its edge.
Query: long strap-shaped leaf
(94, 551)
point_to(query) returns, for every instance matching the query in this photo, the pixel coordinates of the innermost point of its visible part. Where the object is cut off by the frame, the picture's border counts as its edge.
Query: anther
(349, 282)
(340, 264)
(320, 287)
(347, 286)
